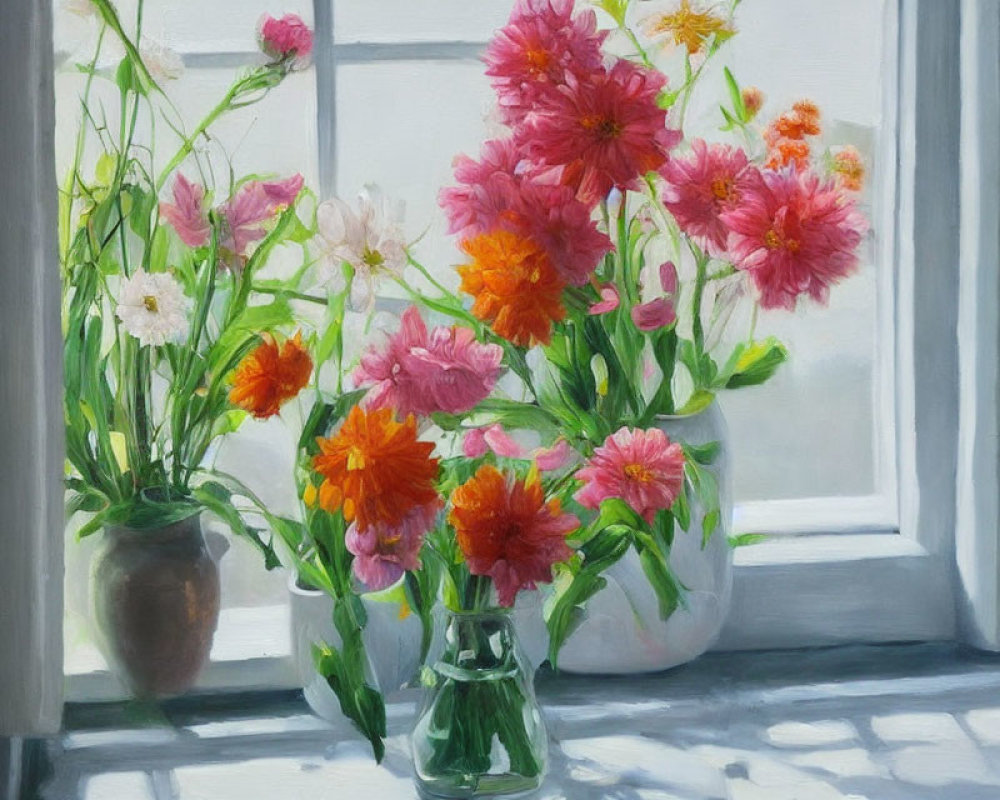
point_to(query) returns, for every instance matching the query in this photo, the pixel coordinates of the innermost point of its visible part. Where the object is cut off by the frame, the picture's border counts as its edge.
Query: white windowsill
(790, 591)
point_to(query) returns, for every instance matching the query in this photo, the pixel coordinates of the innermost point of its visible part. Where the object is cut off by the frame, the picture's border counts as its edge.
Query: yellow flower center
(774, 240)
(373, 258)
(637, 472)
(356, 459)
(538, 61)
(722, 188)
(149, 301)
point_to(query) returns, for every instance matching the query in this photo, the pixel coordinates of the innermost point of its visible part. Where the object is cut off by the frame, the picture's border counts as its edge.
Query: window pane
(812, 431)
(189, 26)
(399, 125)
(417, 20)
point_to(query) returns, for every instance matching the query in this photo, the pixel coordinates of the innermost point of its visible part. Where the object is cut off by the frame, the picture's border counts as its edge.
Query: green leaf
(735, 95)
(747, 539)
(709, 523)
(661, 578)
(218, 499)
(753, 364)
(696, 403)
(681, 510)
(706, 487)
(702, 453)
(566, 611)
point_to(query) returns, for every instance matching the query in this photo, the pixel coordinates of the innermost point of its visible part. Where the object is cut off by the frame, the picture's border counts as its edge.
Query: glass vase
(480, 731)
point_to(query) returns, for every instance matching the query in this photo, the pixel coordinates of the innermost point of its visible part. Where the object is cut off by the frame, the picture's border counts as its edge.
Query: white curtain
(31, 457)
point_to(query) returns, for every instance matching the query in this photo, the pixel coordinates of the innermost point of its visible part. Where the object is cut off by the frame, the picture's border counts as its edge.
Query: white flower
(371, 241)
(82, 8)
(163, 63)
(153, 308)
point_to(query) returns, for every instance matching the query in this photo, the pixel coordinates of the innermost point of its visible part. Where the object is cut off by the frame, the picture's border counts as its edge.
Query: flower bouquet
(608, 250)
(166, 325)
(604, 254)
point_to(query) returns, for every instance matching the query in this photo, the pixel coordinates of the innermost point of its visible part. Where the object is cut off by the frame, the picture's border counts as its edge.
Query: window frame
(873, 569)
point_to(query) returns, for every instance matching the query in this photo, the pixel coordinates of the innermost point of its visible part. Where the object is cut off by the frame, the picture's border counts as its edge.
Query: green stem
(291, 295)
(70, 188)
(430, 278)
(697, 329)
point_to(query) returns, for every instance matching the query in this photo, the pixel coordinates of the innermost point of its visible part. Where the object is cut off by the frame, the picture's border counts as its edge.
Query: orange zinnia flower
(507, 530)
(515, 286)
(788, 151)
(375, 469)
(268, 377)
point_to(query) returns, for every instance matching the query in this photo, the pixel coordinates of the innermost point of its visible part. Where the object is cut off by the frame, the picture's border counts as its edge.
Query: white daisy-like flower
(371, 241)
(163, 63)
(82, 8)
(153, 308)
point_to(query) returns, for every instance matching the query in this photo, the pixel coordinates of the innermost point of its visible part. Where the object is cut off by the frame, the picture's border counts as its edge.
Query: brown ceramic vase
(156, 598)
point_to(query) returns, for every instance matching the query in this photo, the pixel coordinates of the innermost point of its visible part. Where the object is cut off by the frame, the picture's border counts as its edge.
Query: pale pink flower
(700, 187)
(555, 457)
(187, 214)
(502, 444)
(254, 203)
(608, 127)
(370, 240)
(540, 45)
(474, 443)
(479, 441)
(502, 191)
(163, 63)
(417, 373)
(609, 300)
(285, 37)
(655, 314)
(642, 467)
(382, 553)
(794, 234)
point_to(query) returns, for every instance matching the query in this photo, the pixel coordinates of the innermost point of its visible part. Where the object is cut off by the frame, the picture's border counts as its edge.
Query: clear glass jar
(480, 731)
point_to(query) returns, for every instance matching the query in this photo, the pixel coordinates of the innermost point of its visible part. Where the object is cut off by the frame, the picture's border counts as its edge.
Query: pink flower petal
(186, 214)
(655, 314)
(501, 444)
(609, 301)
(474, 443)
(556, 457)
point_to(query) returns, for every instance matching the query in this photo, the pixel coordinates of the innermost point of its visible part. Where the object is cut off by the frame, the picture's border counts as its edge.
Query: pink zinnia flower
(609, 126)
(383, 552)
(187, 214)
(701, 187)
(417, 373)
(500, 191)
(643, 468)
(254, 204)
(540, 45)
(285, 37)
(609, 300)
(794, 234)
(655, 314)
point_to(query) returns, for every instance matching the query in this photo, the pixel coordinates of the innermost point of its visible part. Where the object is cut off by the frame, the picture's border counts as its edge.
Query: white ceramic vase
(622, 632)
(392, 646)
